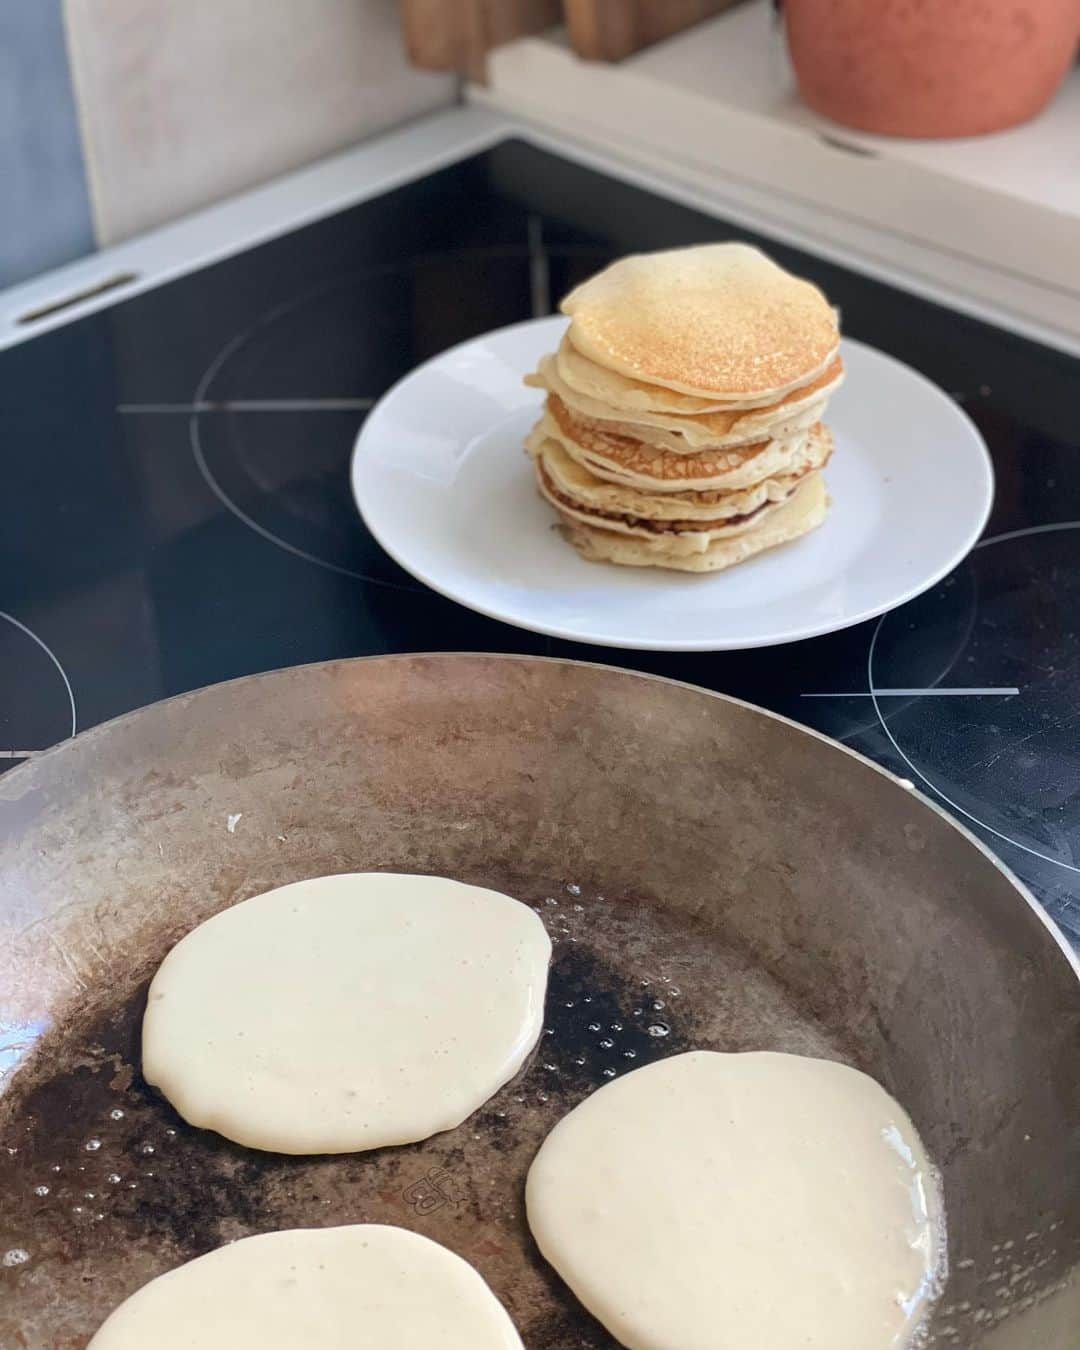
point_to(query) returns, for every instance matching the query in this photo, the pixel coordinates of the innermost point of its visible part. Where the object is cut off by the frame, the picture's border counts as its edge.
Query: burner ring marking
(999, 834)
(53, 658)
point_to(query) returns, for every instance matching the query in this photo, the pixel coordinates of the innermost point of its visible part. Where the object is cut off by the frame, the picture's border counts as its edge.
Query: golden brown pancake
(630, 396)
(702, 529)
(685, 434)
(628, 456)
(574, 482)
(626, 462)
(720, 321)
(803, 511)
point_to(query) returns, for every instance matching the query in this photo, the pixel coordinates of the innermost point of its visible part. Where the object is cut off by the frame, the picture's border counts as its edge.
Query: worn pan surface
(711, 875)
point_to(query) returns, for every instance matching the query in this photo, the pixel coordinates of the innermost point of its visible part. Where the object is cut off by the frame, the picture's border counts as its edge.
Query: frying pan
(712, 876)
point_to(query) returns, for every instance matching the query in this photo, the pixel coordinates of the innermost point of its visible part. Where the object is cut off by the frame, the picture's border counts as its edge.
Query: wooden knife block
(458, 34)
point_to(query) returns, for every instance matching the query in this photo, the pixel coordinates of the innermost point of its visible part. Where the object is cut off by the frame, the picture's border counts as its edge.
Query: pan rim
(1053, 930)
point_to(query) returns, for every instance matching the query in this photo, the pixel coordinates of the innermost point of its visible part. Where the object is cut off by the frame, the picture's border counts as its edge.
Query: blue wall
(44, 206)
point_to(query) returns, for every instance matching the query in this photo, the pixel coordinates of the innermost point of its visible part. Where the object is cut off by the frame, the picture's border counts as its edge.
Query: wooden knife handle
(608, 30)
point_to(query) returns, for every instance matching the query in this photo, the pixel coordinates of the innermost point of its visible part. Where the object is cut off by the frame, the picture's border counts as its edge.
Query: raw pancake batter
(722, 1202)
(366, 1287)
(347, 1012)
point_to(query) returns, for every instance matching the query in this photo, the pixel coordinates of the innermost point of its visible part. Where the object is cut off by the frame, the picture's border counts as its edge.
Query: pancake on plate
(682, 426)
(720, 321)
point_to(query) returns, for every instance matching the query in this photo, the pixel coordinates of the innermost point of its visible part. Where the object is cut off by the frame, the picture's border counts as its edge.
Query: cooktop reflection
(179, 511)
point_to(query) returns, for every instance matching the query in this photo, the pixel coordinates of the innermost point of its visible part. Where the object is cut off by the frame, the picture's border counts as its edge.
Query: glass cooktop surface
(178, 507)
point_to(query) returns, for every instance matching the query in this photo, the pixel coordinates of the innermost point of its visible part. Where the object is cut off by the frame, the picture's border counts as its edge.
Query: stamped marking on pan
(430, 1193)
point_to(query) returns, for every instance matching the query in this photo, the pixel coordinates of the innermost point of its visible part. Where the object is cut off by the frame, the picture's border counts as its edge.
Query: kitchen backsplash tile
(44, 208)
(184, 103)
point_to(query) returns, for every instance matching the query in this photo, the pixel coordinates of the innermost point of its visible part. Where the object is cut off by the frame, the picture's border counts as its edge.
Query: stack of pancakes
(682, 426)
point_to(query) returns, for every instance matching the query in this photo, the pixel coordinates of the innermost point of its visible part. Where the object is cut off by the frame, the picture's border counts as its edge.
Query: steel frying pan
(712, 876)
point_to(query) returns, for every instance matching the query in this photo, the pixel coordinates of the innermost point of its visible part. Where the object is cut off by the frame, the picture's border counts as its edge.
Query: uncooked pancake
(721, 1202)
(719, 321)
(347, 1012)
(363, 1287)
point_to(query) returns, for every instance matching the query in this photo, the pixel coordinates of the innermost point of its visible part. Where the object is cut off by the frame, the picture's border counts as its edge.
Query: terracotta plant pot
(931, 67)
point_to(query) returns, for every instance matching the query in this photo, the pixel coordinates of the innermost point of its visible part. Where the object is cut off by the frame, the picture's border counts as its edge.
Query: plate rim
(712, 644)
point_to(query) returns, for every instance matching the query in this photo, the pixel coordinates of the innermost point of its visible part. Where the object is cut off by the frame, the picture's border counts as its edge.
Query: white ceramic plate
(442, 482)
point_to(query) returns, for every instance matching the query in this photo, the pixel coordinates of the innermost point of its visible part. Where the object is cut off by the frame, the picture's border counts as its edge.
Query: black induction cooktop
(178, 509)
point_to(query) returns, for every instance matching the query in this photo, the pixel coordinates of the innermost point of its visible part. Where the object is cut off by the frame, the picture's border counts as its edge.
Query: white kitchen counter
(1010, 299)
(990, 224)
